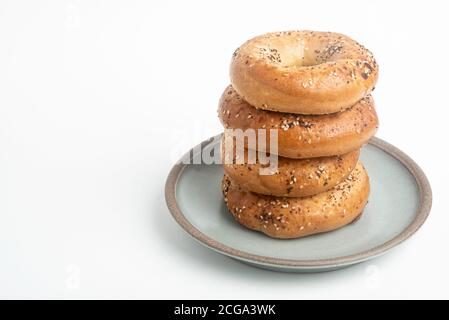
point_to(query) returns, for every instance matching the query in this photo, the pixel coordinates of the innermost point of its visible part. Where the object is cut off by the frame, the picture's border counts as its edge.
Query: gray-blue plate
(399, 203)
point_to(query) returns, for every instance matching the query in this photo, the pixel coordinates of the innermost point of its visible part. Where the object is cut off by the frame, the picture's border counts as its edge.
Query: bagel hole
(297, 57)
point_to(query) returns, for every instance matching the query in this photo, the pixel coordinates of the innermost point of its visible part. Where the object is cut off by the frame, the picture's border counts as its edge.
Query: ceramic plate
(399, 203)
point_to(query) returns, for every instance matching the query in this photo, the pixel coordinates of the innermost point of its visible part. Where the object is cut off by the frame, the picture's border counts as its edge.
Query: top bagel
(303, 72)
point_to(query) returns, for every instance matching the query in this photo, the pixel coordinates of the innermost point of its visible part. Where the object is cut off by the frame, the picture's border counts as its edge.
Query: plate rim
(423, 211)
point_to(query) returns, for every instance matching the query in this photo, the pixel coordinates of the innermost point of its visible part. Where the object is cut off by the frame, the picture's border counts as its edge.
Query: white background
(98, 98)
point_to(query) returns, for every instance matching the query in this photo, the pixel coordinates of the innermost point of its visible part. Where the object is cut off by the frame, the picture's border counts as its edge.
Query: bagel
(299, 217)
(303, 72)
(293, 177)
(303, 136)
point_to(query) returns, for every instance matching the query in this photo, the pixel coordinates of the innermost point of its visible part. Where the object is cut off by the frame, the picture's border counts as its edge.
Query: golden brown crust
(303, 72)
(299, 217)
(293, 177)
(304, 136)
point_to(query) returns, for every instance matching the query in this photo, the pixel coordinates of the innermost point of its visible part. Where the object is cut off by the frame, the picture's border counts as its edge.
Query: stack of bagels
(314, 89)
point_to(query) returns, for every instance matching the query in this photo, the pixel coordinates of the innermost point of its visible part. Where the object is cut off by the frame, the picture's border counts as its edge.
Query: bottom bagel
(298, 217)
